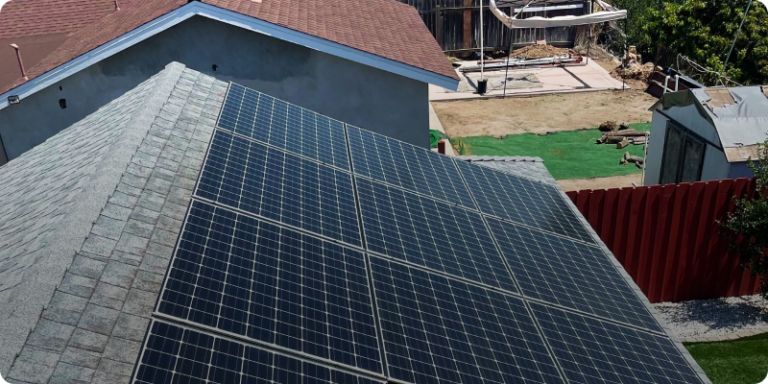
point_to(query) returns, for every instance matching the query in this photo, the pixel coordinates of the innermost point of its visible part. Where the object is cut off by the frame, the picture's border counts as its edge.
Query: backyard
(733, 362)
(560, 129)
(567, 155)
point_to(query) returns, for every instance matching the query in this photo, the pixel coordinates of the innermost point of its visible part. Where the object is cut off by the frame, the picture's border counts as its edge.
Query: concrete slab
(580, 78)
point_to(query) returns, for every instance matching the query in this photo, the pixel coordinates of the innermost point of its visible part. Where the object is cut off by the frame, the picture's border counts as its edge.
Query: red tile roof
(385, 28)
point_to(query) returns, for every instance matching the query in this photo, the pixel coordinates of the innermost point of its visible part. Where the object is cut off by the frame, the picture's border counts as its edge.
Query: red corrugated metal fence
(667, 238)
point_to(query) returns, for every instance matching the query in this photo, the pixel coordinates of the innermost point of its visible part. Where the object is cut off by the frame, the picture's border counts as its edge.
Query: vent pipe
(21, 63)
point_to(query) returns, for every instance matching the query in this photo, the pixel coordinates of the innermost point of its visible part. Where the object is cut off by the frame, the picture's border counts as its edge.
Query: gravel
(715, 318)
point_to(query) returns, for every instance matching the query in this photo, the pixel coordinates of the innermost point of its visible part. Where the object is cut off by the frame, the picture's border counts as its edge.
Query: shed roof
(739, 114)
(385, 28)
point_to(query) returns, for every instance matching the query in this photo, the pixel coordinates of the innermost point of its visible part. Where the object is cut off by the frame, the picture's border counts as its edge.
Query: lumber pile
(539, 51)
(615, 137)
(637, 160)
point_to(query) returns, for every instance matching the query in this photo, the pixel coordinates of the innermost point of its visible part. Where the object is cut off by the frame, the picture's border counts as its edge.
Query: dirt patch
(560, 112)
(538, 51)
(599, 183)
(614, 68)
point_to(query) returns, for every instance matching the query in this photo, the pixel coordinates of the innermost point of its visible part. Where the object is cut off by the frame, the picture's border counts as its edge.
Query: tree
(703, 30)
(747, 226)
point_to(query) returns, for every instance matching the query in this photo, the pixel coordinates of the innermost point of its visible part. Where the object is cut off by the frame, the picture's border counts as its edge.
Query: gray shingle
(529, 167)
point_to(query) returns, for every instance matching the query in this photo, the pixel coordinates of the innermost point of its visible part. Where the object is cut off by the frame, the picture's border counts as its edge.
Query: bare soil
(537, 51)
(599, 183)
(541, 114)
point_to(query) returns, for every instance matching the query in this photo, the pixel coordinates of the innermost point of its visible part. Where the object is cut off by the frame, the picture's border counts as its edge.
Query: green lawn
(743, 361)
(567, 155)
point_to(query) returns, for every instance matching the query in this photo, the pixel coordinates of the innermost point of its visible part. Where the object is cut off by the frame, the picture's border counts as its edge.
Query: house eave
(196, 8)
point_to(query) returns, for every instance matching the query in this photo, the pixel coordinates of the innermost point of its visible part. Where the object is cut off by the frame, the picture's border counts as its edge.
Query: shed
(706, 134)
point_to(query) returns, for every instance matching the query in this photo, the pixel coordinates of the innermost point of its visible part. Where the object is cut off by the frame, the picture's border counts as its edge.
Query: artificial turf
(742, 361)
(567, 155)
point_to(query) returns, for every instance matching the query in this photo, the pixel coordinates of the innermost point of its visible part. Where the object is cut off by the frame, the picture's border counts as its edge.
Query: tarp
(610, 13)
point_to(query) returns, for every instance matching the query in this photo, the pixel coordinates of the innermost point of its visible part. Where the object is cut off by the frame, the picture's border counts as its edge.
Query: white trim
(197, 8)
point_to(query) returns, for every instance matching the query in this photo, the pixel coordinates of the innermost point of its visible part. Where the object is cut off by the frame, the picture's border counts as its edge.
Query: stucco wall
(353, 93)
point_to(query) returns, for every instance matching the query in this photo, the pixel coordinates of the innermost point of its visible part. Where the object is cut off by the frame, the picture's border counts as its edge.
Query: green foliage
(703, 30)
(747, 225)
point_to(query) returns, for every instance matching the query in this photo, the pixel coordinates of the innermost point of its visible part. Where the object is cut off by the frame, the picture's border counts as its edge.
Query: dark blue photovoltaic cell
(427, 232)
(407, 166)
(439, 330)
(180, 355)
(524, 201)
(594, 351)
(275, 122)
(568, 273)
(267, 182)
(248, 277)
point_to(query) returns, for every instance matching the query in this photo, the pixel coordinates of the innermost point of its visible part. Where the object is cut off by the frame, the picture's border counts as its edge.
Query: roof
(121, 180)
(384, 28)
(529, 167)
(156, 193)
(39, 27)
(739, 114)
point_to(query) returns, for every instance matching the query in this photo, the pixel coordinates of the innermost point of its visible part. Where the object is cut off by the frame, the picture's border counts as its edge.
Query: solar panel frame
(285, 126)
(465, 334)
(173, 353)
(595, 351)
(273, 285)
(565, 272)
(406, 166)
(242, 174)
(523, 201)
(427, 232)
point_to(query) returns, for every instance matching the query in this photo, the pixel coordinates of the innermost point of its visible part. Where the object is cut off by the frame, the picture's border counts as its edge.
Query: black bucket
(482, 86)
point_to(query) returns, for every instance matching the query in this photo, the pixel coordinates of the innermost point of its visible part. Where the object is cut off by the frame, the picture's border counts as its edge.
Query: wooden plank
(608, 216)
(672, 254)
(595, 207)
(636, 222)
(619, 245)
(685, 274)
(467, 25)
(660, 245)
(644, 256)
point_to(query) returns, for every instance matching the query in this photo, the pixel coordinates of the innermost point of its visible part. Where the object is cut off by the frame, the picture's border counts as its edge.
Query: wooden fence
(667, 238)
(455, 25)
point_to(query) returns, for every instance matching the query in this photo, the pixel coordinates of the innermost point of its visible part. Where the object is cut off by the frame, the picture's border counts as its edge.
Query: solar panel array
(317, 252)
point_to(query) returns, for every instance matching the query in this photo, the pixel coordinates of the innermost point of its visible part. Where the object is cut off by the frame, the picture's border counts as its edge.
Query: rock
(607, 126)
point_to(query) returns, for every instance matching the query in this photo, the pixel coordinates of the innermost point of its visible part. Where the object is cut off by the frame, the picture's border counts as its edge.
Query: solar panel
(594, 351)
(245, 276)
(267, 182)
(407, 166)
(439, 330)
(430, 233)
(568, 273)
(523, 201)
(173, 354)
(283, 125)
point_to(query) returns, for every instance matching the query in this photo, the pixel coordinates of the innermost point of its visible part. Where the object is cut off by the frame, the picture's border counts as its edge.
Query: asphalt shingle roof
(528, 167)
(384, 28)
(90, 219)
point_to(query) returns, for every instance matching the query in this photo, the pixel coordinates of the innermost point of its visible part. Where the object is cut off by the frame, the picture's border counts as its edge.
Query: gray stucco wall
(655, 149)
(353, 93)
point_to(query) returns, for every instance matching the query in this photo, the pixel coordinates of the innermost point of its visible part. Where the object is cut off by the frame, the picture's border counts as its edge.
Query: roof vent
(117, 6)
(21, 63)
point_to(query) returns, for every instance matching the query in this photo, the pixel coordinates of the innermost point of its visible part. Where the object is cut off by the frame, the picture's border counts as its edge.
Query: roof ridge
(37, 282)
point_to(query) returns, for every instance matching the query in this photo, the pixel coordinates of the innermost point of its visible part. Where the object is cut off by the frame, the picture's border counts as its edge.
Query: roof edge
(638, 292)
(197, 8)
(43, 279)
